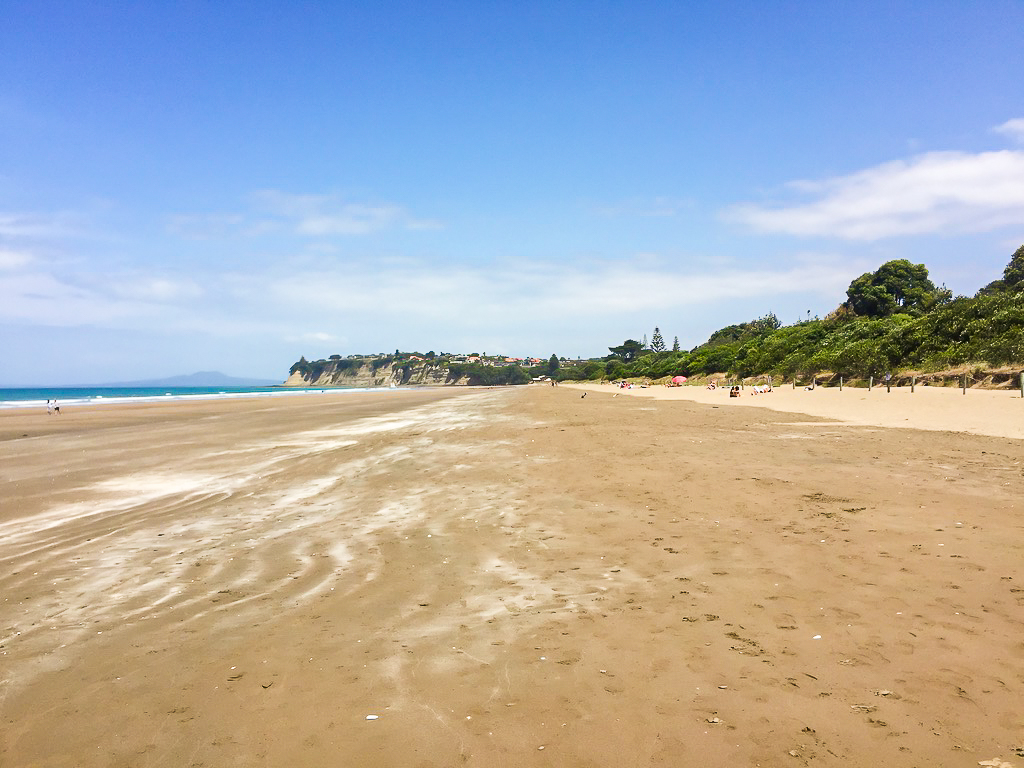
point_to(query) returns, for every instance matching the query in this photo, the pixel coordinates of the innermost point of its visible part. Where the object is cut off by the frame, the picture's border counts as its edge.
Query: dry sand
(998, 413)
(509, 577)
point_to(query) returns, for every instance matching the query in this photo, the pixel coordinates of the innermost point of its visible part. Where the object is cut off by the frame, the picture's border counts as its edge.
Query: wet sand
(506, 577)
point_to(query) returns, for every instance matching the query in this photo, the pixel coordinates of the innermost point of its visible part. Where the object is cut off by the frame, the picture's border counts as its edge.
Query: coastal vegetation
(403, 368)
(893, 319)
(489, 375)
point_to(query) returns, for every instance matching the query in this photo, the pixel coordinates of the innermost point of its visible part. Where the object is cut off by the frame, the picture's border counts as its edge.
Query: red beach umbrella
(678, 379)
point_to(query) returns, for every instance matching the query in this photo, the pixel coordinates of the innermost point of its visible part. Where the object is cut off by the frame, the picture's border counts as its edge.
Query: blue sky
(216, 185)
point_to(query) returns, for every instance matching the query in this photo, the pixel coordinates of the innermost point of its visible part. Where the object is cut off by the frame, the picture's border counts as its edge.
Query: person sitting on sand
(734, 392)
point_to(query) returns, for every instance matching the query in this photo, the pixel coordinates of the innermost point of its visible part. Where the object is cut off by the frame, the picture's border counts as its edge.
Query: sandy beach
(515, 577)
(998, 413)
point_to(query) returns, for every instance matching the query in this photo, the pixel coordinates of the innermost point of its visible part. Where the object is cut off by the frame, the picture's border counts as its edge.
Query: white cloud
(347, 219)
(276, 212)
(934, 193)
(1013, 128)
(156, 289)
(205, 226)
(36, 225)
(426, 294)
(424, 225)
(10, 260)
(96, 298)
(317, 336)
(43, 299)
(326, 215)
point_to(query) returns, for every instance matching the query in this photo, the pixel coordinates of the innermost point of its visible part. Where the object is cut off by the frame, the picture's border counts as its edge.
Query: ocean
(36, 397)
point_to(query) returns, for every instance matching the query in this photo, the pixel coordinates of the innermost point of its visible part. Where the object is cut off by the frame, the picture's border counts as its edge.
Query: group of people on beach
(757, 389)
(52, 407)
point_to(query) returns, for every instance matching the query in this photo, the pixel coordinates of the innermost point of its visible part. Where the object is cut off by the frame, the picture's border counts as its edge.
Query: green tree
(675, 344)
(615, 369)
(1013, 276)
(657, 342)
(627, 352)
(553, 365)
(896, 287)
(766, 324)
(487, 375)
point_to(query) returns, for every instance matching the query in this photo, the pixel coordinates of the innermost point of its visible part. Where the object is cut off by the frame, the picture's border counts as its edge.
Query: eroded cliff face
(344, 373)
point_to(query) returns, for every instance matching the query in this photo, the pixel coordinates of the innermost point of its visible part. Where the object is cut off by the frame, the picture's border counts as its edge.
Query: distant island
(198, 379)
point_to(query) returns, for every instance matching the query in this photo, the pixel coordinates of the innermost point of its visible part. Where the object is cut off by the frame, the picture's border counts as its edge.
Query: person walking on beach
(56, 407)
(49, 407)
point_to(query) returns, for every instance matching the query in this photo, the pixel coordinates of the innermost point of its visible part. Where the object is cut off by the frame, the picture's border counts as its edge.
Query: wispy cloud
(155, 289)
(45, 299)
(1013, 128)
(11, 259)
(934, 193)
(407, 295)
(205, 226)
(17, 225)
(276, 212)
(313, 337)
(539, 289)
(325, 215)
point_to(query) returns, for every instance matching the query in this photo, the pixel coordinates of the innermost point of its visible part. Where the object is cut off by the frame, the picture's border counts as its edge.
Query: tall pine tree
(657, 342)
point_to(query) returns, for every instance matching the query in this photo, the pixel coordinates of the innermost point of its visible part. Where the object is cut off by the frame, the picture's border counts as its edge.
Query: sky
(232, 185)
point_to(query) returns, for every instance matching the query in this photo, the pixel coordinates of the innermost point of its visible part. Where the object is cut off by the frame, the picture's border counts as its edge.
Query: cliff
(370, 372)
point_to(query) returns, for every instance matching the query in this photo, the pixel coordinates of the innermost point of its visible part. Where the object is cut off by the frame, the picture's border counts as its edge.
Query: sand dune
(506, 577)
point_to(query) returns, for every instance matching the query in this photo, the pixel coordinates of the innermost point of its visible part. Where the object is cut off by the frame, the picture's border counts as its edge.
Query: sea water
(36, 397)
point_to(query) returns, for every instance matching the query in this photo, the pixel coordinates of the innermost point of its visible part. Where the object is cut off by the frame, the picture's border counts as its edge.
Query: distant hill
(198, 379)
